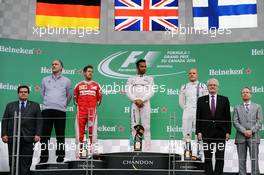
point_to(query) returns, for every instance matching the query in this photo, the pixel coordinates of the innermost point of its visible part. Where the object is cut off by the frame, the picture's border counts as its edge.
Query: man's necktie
(22, 108)
(213, 105)
(246, 107)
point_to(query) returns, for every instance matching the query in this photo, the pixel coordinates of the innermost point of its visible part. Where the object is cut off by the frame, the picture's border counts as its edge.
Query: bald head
(193, 75)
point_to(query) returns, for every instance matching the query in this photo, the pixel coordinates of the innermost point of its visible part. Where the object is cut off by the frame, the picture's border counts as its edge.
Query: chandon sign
(138, 162)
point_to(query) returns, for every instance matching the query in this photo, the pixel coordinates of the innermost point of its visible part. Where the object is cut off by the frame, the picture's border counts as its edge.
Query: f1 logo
(150, 58)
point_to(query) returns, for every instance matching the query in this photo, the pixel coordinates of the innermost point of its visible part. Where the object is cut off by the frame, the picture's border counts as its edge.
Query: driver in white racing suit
(139, 90)
(188, 95)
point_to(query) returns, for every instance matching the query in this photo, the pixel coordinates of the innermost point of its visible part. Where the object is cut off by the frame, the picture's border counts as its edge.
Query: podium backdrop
(235, 65)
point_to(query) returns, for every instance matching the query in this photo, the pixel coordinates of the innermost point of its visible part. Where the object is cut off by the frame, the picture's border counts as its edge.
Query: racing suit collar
(139, 75)
(194, 83)
(87, 82)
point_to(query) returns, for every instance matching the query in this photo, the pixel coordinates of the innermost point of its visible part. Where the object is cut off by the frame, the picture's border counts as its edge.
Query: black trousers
(57, 119)
(211, 145)
(25, 156)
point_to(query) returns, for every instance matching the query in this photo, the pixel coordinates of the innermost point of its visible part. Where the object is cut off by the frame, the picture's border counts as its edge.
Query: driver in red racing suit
(87, 95)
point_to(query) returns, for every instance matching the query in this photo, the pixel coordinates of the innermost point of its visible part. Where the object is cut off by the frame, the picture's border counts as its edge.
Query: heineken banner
(235, 65)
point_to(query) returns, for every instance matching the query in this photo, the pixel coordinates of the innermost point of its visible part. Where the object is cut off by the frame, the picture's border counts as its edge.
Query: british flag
(146, 15)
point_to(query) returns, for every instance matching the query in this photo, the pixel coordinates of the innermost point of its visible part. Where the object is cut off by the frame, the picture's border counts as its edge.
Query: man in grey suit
(31, 126)
(247, 121)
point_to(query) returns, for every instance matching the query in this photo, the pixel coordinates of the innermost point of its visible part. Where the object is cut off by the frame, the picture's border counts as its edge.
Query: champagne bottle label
(84, 153)
(187, 155)
(137, 145)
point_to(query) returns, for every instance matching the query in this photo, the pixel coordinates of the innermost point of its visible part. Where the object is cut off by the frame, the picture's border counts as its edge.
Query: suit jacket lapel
(242, 108)
(207, 101)
(218, 99)
(251, 108)
(16, 108)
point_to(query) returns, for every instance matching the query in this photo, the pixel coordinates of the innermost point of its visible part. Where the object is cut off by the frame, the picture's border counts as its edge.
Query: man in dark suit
(31, 125)
(213, 126)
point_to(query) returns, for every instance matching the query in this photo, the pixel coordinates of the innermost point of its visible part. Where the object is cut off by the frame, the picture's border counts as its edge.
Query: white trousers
(142, 115)
(188, 121)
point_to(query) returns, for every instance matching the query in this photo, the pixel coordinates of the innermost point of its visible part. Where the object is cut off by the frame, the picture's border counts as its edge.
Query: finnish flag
(224, 14)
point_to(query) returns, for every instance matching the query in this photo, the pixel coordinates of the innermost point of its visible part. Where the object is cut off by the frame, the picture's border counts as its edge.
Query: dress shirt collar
(20, 103)
(210, 95)
(249, 103)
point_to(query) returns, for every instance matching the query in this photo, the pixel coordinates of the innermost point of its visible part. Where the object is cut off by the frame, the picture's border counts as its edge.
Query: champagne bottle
(188, 149)
(84, 153)
(137, 143)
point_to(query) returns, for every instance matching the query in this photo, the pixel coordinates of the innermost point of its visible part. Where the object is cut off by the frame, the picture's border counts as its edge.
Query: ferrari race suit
(141, 87)
(188, 95)
(87, 95)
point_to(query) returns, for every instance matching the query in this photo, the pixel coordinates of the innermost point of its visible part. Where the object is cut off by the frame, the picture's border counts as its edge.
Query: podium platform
(125, 163)
(116, 172)
(129, 163)
(138, 160)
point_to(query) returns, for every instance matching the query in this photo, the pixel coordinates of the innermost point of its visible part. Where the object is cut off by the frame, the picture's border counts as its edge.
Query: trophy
(188, 148)
(138, 137)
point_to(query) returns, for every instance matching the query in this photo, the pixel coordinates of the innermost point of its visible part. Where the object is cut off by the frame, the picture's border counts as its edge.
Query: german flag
(68, 13)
